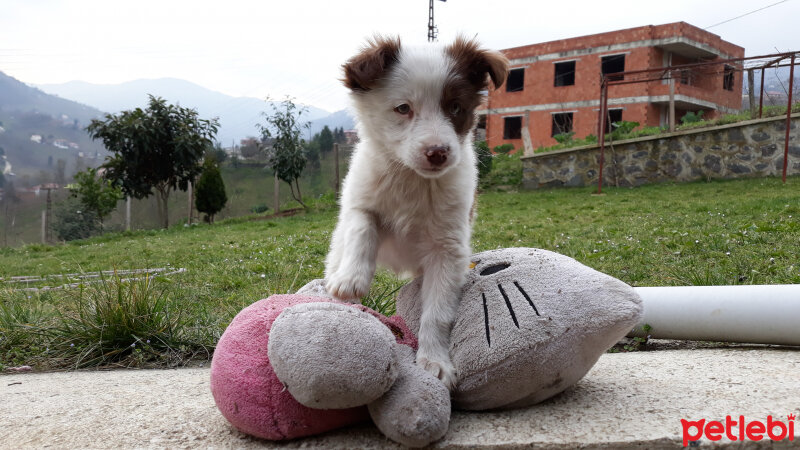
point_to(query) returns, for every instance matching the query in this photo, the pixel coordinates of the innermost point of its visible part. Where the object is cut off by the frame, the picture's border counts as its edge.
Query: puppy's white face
(418, 104)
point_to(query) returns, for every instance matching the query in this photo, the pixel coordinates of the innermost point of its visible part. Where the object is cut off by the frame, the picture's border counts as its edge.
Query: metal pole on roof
(788, 120)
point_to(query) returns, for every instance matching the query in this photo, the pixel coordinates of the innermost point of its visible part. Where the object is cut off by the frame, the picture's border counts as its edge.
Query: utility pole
(433, 30)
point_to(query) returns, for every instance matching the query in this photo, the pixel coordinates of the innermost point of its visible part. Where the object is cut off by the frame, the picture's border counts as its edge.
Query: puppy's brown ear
(362, 72)
(475, 63)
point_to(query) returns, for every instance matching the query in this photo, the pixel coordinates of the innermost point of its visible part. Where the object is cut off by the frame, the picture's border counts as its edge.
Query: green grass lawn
(726, 232)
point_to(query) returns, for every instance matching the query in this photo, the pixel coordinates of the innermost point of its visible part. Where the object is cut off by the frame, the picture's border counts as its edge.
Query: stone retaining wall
(752, 148)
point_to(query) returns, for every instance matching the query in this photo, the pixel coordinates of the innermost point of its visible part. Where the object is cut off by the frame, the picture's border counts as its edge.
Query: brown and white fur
(408, 197)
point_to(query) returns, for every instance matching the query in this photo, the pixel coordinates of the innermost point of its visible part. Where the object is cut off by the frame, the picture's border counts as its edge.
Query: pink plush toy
(530, 324)
(249, 394)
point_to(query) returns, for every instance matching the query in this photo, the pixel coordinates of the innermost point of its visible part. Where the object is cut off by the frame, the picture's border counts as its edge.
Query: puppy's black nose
(437, 154)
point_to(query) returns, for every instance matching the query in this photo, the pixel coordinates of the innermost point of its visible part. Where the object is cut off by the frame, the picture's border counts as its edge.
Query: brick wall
(542, 98)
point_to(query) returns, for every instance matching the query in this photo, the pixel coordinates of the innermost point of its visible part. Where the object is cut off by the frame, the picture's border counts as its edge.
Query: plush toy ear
(477, 62)
(363, 71)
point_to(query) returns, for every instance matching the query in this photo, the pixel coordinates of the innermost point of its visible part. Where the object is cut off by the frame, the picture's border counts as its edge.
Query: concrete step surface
(628, 400)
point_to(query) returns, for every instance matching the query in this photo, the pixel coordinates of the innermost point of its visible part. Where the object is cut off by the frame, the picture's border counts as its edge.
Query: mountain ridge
(238, 116)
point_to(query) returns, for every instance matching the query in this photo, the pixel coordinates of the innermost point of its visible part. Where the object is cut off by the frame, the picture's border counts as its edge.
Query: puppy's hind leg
(350, 265)
(444, 274)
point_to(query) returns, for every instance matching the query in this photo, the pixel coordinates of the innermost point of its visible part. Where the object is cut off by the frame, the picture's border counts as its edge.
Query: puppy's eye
(455, 108)
(402, 109)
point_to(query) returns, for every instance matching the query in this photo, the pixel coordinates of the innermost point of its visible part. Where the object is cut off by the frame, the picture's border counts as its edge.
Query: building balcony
(683, 46)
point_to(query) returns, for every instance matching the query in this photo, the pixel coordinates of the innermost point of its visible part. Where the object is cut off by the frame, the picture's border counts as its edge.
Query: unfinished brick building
(554, 87)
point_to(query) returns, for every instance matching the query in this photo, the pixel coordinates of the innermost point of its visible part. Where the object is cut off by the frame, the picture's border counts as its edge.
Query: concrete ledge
(627, 400)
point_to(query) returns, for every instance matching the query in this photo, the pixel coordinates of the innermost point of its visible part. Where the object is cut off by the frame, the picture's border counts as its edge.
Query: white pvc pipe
(767, 314)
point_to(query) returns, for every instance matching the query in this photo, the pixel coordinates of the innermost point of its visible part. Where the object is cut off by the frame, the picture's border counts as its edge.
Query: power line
(746, 14)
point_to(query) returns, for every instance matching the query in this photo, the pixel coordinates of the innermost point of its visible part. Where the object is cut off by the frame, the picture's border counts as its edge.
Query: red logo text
(738, 430)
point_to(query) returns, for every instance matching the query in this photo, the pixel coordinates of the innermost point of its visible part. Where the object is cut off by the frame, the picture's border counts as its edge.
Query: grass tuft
(122, 322)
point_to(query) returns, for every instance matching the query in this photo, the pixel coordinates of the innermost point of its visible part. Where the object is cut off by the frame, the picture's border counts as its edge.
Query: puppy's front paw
(442, 369)
(349, 287)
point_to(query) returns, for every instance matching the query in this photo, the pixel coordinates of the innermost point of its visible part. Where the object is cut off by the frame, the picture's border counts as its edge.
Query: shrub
(503, 149)
(647, 131)
(506, 171)
(484, 159)
(564, 138)
(692, 117)
(71, 222)
(96, 194)
(211, 197)
(260, 208)
(621, 129)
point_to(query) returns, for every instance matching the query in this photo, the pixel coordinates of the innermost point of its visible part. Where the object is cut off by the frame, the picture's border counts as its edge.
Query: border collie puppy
(408, 198)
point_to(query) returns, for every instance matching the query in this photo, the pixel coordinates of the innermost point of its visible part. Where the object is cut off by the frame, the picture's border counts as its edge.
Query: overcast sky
(277, 48)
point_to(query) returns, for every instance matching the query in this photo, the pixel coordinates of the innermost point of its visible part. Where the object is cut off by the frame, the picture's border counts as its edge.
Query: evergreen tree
(210, 196)
(326, 139)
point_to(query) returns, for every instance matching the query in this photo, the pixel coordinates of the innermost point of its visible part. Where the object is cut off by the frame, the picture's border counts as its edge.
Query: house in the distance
(554, 87)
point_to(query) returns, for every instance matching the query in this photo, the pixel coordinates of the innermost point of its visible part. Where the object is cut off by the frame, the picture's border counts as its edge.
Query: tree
(312, 150)
(158, 148)
(217, 153)
(249, 147)
(338, 135)
(210, 193)
(96, 194)
(325, 139)
(284, 127)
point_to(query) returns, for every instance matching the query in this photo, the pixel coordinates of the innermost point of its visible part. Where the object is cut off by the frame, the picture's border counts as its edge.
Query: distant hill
(339, 119)
(238, 115)
(59, 124)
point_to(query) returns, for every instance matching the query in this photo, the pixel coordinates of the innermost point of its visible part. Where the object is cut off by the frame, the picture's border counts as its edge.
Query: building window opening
(562, 123)
(727, 78)
(565, 73)
(516, 80)
(611, 65)
(480, 131)
(512, 127)
(613, 116)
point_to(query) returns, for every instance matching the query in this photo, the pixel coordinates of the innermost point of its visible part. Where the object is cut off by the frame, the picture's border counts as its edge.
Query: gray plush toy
(530, 324)
(333, 356)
